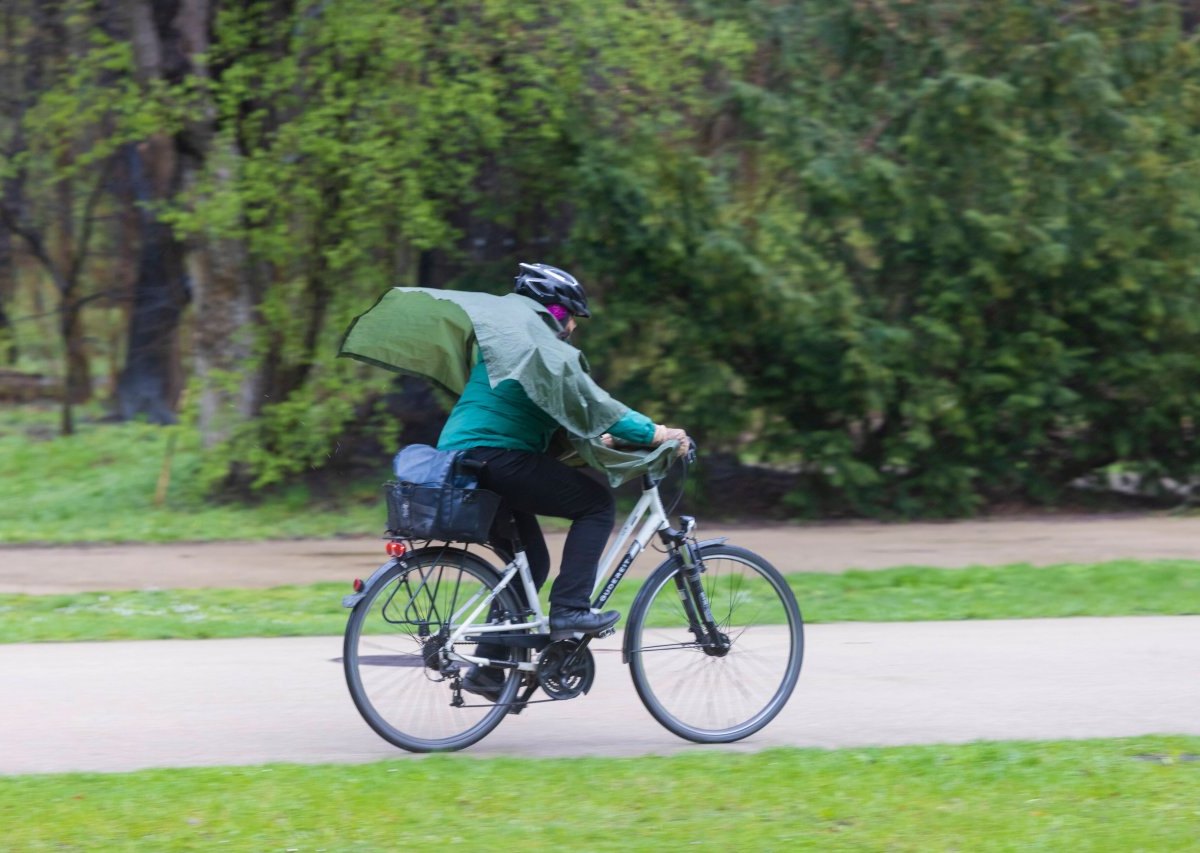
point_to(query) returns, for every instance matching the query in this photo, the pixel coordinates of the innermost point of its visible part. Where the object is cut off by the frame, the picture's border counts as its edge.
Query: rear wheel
(396, 655)
(724, 689)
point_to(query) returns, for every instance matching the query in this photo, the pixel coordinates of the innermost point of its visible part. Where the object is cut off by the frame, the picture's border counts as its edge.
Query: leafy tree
(926, 256)
(368, 144)
(74, 111)
(982, 232)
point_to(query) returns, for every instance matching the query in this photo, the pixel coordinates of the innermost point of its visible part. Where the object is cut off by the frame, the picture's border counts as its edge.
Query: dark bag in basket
(437, 498)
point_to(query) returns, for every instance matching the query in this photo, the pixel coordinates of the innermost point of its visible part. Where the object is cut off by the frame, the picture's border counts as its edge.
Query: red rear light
(358, 585)
(396, 549)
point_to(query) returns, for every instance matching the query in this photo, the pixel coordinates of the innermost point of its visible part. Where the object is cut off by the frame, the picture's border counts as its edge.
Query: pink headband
(560, 314)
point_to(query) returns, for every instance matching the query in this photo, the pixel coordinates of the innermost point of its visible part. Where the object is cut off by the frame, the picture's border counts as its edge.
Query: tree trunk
(77, 386)
(166, 38)
(8, 289)
(150, 382)
(229, 387)
(223, 346)
(77, 382)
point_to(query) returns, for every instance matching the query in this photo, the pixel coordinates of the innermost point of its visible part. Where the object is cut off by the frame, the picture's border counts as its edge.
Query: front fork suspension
(689, 584)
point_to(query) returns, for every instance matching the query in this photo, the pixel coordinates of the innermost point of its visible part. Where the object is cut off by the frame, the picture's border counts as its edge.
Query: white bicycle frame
(648, 512)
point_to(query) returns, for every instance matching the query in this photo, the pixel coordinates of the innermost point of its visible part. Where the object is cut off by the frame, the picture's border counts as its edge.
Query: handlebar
(687, 460)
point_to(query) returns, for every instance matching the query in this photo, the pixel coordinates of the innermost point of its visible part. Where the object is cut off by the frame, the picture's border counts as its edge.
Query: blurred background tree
(902, 258)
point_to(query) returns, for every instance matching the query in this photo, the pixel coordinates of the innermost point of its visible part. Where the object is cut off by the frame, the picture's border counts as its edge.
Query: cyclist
(505, 430)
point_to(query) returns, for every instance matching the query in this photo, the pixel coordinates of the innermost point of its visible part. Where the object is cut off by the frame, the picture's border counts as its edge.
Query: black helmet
(550, 285)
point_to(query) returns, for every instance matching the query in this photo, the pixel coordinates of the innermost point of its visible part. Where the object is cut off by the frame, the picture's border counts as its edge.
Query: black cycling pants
(534, 484)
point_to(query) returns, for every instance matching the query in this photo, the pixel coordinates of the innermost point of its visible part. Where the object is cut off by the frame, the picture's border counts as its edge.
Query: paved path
(122, 706)
(792, 548)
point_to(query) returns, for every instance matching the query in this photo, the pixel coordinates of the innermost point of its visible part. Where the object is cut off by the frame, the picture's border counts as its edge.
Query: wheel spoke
(396, 665)
(692, 688)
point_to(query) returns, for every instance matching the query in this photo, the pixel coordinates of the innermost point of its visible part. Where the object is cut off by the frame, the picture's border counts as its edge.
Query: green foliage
(80, 105)
(978, 235)
(89, 109)
(356, 138)
(930, 255)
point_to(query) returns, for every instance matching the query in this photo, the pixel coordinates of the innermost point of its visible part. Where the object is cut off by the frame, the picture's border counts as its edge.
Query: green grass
(100, 485)
(1106, 795)
(1123, 587)
(1019, 591)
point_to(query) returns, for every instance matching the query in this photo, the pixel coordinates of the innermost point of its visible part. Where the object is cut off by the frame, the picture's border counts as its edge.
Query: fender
(625, 644)
(355, 597)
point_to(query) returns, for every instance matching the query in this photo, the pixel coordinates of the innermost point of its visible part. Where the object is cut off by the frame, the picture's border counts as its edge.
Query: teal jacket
(505, 417)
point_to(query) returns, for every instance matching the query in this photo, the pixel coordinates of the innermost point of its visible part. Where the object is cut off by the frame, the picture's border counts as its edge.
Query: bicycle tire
(704, 696)
(405, 701)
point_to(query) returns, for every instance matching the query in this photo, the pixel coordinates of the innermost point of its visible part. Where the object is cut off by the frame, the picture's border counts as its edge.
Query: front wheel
(398, 665)
(716, 686)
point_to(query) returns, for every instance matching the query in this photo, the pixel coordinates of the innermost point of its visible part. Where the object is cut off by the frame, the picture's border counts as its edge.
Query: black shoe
(485, 681)
(568, 620)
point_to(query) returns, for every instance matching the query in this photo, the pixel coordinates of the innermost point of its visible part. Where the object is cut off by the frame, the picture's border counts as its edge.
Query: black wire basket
(440, 512)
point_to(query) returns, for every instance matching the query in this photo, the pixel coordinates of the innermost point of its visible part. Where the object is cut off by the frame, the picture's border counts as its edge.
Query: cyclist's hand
(606, 440)
(665, 433)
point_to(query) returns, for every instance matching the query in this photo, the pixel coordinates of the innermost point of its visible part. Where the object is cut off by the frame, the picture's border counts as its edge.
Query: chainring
(566, 669)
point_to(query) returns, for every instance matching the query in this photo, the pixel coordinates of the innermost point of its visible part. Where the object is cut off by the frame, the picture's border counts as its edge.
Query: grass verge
(1118, 588)
(140, 483)
(1128, 794)
(106, 484)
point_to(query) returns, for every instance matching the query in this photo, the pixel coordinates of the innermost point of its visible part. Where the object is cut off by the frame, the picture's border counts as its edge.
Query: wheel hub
(720, 648)
(431, 651)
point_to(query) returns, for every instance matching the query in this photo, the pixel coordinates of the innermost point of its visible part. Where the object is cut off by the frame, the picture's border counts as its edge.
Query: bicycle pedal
(607, 632)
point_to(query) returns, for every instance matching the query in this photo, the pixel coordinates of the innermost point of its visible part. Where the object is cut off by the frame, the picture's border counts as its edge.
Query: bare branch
(37, 246)
(74, 305)
(79, 256)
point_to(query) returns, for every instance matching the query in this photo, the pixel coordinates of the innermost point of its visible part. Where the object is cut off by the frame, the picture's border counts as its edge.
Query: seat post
(515, 537)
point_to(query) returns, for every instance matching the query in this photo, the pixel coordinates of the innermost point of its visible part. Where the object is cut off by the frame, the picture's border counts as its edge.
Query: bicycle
(714, 638)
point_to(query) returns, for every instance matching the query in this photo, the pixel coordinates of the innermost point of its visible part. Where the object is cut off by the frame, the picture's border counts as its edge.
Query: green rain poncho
(438, 334)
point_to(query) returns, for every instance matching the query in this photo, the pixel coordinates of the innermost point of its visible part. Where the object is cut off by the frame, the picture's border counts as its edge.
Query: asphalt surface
(123, 706)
